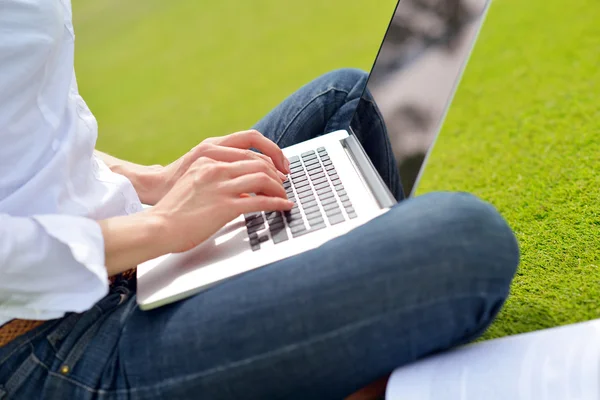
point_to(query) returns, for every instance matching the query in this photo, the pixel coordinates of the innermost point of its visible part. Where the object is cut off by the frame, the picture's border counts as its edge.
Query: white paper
(553, 364)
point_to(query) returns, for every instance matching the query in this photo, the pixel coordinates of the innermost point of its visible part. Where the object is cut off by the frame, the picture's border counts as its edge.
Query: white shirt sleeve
(50, 265)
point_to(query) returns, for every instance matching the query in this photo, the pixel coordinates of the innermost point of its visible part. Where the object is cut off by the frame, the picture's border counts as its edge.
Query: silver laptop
(333, 182)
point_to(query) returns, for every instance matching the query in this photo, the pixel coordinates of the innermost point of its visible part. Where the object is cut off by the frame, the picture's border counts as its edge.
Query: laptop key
(296, 222)
(304, 194)
(344, 198)
(255, 247)
(302, 184)
(316, 221)
(307, 196)
(297, 174)
(330, 206)
(324, 190)
(330, 167)
(263, 238)
(299, 179)
(322, 185)
(307, 158)
(341, 192)
(303, 189)
(297, 228)
(295, 209)
(314, 161)
(347, 203)
(251, 216)
(320, 180)
(276, 224)
(322, 150)
(317, 176)
(325, 158)
(311, 210)
(328, 201)
(279, 236)
(326, 163)
(256, 228)
(256, 221)
(334, 176)
(333, 211)
(293, 159)
(336, 219)
(309, 204)
(307, 153)
(317, 227)
(253, 235)
(314, 167)
(352, 215)
(326, 195)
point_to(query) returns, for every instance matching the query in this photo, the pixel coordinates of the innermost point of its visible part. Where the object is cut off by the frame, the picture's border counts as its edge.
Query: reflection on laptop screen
(415, 74)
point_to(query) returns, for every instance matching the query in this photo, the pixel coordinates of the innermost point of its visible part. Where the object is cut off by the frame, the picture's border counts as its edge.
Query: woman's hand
(210, 193)
(231, 148)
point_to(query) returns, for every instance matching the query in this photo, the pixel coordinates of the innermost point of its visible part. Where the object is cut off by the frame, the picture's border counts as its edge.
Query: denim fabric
(428, 275)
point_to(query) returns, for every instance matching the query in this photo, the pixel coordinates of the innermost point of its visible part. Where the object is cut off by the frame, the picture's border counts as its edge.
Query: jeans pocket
(72, 336)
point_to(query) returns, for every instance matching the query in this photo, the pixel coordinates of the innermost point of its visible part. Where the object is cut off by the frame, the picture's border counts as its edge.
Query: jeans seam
(308, 103)
(282, 350)
(387, 148)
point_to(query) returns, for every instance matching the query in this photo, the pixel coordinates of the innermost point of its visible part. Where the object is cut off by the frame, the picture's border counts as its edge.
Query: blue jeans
(428, 275)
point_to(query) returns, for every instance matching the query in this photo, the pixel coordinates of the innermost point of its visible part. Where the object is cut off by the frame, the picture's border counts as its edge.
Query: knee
(488, 245)
(475, 239)
(350, 80)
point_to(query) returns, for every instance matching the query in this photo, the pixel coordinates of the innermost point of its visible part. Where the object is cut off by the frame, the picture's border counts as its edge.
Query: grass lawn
(162, 75)
(523, 132)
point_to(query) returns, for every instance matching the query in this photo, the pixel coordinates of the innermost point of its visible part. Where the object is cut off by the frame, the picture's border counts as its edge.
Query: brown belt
(17, 327)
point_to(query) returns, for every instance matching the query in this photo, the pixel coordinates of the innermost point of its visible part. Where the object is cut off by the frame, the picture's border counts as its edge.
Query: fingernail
(282, 176)
(286, 162)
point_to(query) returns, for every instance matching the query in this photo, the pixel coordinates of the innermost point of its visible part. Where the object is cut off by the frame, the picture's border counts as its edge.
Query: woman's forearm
(130, 240)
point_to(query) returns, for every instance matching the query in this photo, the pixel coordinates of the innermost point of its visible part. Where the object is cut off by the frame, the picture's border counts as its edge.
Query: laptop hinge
(366, 169)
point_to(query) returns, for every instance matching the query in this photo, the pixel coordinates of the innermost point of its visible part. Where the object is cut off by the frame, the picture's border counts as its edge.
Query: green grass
(523, 132)
(160, 76)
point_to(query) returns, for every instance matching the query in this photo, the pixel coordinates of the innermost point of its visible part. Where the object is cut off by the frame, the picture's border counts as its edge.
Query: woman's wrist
(133, 239)
(149, 181)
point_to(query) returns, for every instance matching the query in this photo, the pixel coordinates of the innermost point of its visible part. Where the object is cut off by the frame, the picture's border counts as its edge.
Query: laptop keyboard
(316, 188)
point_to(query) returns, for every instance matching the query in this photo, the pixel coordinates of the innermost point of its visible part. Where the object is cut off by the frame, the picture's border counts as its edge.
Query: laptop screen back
(415, 75)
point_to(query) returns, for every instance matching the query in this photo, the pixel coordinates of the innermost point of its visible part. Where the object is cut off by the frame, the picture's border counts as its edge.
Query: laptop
(333, 182)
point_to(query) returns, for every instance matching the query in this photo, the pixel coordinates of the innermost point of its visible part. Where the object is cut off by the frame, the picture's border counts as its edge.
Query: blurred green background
(523, 132)
(160, 76)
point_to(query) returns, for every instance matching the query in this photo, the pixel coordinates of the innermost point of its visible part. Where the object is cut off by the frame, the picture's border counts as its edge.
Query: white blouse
(52, 187)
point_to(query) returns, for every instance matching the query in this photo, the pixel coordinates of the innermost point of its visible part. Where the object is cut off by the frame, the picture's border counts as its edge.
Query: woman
(430, 274)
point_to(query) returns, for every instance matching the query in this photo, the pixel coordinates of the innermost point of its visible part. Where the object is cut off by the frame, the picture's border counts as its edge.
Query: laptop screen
(414, 77)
